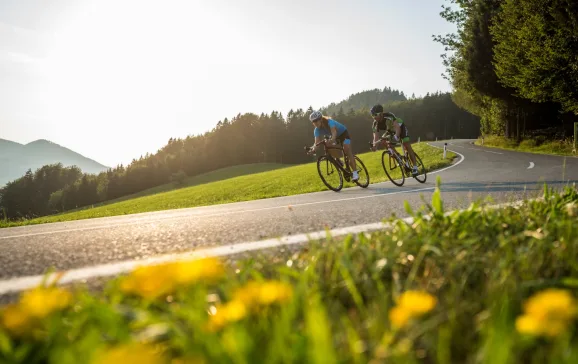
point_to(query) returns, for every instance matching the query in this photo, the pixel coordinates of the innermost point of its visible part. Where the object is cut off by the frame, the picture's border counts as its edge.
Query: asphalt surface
(480, 172)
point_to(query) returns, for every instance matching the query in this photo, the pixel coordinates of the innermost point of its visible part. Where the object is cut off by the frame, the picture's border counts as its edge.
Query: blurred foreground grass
(477, 286)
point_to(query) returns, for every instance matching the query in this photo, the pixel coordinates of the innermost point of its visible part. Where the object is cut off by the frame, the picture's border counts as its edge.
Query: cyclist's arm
(397, 129)
(317, 140)
(375, 130)
(334, 134)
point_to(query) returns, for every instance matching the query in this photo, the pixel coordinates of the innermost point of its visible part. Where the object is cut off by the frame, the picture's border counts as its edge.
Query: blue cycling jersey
(332, 123)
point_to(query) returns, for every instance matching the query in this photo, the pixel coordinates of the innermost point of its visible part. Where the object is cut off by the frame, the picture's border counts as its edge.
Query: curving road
(477, 173)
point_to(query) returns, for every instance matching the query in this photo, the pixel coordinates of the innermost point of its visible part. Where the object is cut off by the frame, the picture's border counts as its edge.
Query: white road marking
(462, 158)
(113, 269)
(531, 165)
(487, 151)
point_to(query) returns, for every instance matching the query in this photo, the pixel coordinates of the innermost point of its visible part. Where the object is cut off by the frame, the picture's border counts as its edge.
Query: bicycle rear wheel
(363, 180)
(329, 173)
(390, 164)
(421, 176)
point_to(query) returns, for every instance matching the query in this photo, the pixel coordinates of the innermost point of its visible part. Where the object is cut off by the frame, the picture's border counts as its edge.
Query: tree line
(244, 139)
(514, 64)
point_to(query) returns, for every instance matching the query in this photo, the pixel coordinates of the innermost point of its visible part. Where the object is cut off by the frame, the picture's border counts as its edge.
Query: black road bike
(332, 171)
(391, 159)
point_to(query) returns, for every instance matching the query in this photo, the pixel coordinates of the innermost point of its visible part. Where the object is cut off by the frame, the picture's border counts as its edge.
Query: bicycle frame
(346, 171)
(393, 152)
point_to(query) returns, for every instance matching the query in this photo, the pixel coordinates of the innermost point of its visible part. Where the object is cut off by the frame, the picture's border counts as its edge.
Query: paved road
(479, 172)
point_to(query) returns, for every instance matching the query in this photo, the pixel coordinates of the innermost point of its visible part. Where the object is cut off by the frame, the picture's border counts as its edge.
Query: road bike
(391, 159)
(332, 170)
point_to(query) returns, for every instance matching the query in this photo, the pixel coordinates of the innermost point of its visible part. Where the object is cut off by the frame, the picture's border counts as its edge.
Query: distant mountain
(364, 100)
(16, 158)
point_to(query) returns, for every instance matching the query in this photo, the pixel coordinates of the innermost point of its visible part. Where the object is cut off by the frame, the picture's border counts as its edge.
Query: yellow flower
(250, 297)
(272, 292)
(187, 272)
(130, 353)
(411, 304)
(547, 313)
(148, 282)
(230, 312)
(16, 321)
(528, 325)
(42, 301)
(23, 317)
(551, 304)
(399, 316)
(247, 294)
(266, 293)
(151, 282)
(417, 302)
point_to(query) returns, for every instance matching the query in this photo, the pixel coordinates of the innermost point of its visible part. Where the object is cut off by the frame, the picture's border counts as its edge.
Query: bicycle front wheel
(363, 180)
(329, 173)
(390, 164)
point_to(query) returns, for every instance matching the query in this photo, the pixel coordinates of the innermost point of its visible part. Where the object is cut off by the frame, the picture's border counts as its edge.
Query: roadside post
(575, 137)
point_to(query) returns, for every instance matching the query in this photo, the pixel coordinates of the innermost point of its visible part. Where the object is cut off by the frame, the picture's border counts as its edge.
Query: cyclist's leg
(404, 136)
(407, 146)
(347, 149)
(346, 142)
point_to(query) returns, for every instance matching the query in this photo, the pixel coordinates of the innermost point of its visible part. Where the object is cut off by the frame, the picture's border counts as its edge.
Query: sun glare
(120, 57)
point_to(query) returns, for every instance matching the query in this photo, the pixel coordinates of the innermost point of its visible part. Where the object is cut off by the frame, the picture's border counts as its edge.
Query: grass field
(273, 183)
(556, 147)
(479, 286)
(214, 176)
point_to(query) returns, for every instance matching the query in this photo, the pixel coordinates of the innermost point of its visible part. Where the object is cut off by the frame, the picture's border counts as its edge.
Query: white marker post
(445, 149)
(418, 139)
(575, 137)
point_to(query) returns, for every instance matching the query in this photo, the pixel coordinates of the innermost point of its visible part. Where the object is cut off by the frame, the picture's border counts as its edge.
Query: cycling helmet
(315, 115)
(376, 109)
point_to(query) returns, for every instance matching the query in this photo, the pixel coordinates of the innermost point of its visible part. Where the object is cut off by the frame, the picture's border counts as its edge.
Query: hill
(16, 158)
(364, 100)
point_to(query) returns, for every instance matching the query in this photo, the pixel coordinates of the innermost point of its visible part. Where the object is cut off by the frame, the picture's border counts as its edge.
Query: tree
(536, 50)
(471, 69)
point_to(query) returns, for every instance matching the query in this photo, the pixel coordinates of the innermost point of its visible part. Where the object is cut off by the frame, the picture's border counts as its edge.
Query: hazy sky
(114, 79)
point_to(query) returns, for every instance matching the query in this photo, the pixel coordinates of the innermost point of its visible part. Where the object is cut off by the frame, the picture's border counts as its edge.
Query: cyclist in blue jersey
(324, 125)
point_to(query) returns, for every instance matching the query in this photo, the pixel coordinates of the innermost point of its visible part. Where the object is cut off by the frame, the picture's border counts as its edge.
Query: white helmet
(315, 115)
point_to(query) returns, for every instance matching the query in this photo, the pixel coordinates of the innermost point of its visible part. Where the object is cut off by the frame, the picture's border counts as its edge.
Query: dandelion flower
(130, 353)
(417, 302)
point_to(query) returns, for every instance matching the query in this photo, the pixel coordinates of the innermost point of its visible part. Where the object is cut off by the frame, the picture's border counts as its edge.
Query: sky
(115, 79)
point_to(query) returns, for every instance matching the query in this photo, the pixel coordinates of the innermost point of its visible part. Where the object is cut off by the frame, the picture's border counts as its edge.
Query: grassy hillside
(279, 182)
(214, 176)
